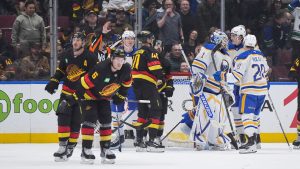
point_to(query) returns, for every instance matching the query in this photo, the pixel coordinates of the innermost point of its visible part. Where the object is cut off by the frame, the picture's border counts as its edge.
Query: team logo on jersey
(106, 80)
(109, 89)
(74, 72)
(224, 65)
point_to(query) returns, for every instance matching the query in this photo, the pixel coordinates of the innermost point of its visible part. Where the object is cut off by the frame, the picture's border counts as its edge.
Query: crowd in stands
(24, 30)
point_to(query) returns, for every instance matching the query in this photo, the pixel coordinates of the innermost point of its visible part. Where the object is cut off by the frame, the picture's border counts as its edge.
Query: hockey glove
(118, 99)
(52, 86)
(63, 108)
(220, 76)
(169, 90)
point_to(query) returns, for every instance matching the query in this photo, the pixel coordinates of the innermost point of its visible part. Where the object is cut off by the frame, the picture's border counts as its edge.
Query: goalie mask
(219, 37)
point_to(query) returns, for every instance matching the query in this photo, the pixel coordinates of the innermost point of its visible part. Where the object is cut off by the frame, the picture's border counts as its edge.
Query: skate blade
(139, 149)
(61, 159)
(155, 150)
(296, 147)
(87, 161)
(247, 151)
(258, 146)
(107, 161)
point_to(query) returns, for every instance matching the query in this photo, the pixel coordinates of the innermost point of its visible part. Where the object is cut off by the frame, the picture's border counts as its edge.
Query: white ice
(39, 156)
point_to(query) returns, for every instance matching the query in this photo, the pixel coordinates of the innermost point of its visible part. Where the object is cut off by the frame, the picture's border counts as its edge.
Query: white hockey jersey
(203, 63)
(250, 70)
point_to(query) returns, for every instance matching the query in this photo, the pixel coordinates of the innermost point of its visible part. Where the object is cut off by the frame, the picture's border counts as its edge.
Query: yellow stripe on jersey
(83, 83)
(61, 135)
(141, 76)
(73, 140)
(248, 123)
(154, 126)
(66, 93)
(197, 63)
(156, 67)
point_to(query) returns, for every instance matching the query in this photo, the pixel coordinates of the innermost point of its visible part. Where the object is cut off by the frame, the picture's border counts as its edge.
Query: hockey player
(235, 47)
(108, 79)
(147, 75)
(295, 73)
(74, 63)
(210, 124)
(250, 71)
(294, 7)
(128, 38)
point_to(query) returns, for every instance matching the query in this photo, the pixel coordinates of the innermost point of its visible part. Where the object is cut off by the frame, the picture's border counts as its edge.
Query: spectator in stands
(91, 24)
(20, 7)
(275, 8)
(28, 27)
(118, 4)
(175, 57)
(149, 16)
(169, 24)
(35, 65)
(7, 70)
(188, 19)
(275, 35)
(184, 67)
(121, 22)
(5, 48)
(208, 15)
(190, 44)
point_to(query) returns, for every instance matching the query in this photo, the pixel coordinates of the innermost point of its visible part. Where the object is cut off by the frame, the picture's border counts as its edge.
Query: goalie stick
(234, 143)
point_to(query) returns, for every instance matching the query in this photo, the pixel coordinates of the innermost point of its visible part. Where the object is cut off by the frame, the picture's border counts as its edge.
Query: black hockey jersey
(146, 65)
(71, 68)
(102, 83)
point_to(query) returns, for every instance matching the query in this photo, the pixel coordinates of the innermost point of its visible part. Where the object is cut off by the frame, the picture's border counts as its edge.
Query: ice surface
(40, 156)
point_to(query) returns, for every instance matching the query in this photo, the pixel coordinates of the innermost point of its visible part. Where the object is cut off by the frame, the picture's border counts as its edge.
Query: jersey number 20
(260, 71)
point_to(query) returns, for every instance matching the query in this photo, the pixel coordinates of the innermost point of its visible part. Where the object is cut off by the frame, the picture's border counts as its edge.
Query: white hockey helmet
(250, 41)
(128, 34)
(239, 30)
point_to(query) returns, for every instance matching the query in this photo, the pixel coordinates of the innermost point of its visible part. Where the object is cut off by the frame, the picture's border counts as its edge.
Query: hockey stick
(144, 125)
(217, 47)
(124, 120)
(279, 121)
(170, 131)
(119, 133)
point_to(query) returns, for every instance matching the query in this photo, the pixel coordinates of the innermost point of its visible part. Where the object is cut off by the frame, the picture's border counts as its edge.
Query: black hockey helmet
(80, 35)
(144, 35)
(117, 52)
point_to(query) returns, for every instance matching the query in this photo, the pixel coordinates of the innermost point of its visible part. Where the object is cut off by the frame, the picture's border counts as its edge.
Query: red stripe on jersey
(63, 129)
(128, 82)
(153, 63)
(155, 121)
(87, 131)
(105, 132)
(88, 81)
(67, 89)
(161, 123)
(168, 77)
(141, 120)
(88, 92)
(74, 135)
(144, 73)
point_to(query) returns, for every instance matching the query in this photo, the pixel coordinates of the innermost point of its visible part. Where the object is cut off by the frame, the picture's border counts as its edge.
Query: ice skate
(296, 144)
(155, 146)
(250, 147)
(258, 142)
(61, 154)
(70, 149)
(107, 156)
(140, 146)
(87, 156)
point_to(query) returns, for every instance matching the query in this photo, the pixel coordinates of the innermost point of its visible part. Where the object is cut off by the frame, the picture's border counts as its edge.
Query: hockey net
(176, 138)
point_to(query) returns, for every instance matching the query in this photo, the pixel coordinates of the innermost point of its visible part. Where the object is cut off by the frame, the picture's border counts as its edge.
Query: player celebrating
(210, 122)
(250, 71)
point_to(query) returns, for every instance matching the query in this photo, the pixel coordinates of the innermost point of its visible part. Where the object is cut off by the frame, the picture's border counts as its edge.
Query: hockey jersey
(250, 70)
(71, 68)
(146, 65)
(203, 63)
(102, 83)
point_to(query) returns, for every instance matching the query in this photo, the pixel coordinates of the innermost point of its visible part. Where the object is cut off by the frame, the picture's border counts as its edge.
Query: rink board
(27, 112)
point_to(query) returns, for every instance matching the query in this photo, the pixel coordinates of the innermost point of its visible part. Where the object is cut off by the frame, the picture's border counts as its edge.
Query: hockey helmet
(239, 30)
(128, 34)
(250, 41)
(79, 35)
(117, 52)
(144, 35)
(218, 37)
